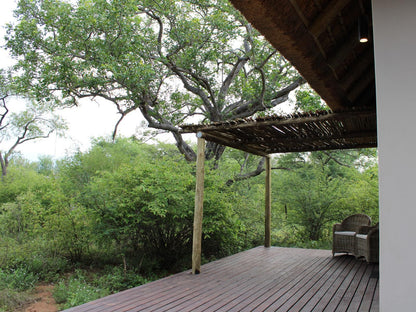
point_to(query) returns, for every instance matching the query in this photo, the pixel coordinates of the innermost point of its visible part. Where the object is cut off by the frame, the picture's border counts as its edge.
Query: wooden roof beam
(337, 58)
(306, 23)
(364, 61)
(359, 86)
(330, 12)
(295, 5)
(367, 97)
(232, 143)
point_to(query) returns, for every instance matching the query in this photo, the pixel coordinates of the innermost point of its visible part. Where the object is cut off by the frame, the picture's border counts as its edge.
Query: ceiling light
(363, 29)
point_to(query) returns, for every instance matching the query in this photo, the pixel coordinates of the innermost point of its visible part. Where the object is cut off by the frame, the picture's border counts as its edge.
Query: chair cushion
(346, 233)
(362, 236)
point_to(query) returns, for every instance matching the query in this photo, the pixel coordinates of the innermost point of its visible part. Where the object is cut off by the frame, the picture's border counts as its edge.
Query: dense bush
(76, 291)
(17, 279)
(83, 286)
(10, 299)
(117, 278)
(14, 287)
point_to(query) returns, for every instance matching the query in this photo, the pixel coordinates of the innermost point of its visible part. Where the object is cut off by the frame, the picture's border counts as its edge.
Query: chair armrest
(367, 229)
(374, 231)
(337, 227)
(364, 229)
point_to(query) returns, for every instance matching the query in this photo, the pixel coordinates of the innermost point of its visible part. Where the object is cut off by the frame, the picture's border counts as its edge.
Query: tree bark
(3, 162)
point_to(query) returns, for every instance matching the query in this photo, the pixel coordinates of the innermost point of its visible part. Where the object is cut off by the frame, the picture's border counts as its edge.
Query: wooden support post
(199, 204)
(268, 204)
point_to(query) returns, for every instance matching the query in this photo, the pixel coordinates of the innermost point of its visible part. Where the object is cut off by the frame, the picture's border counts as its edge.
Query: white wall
(395, 59)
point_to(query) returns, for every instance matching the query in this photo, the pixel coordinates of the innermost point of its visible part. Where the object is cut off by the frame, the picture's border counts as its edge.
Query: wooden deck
(259, 279)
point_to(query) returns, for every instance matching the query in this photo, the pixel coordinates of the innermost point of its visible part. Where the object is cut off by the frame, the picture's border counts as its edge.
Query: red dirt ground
(44, 301)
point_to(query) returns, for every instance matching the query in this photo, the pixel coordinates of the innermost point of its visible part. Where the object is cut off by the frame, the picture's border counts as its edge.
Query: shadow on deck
(259, 279)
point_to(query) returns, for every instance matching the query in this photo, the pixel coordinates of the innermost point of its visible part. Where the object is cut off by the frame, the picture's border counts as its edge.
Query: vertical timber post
(268, 204)
(199, 204)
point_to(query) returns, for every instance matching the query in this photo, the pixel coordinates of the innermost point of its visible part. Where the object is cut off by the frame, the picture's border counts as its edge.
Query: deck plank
(259, 279)
(310, 296)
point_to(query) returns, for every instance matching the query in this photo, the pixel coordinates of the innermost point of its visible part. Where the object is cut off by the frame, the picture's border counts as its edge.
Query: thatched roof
(293, 133)
(319, 38)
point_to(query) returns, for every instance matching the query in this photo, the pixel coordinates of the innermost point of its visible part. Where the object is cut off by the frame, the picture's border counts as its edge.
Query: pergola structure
(321, 39)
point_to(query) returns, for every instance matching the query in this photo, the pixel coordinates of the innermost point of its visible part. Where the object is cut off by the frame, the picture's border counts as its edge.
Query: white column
(395, 60)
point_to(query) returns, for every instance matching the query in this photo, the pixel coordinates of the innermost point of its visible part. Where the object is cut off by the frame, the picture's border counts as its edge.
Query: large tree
(175, 61)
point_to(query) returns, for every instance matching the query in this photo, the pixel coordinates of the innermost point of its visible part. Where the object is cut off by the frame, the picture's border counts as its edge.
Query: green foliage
(17, 279)
(76, 291)
(69, 230)
(308, 100)
(145, 206)
(322, 188)
(221, 224)
(34, 256)
(117, 278)
(82, 287)
(362, 195)
(312, 204)
(139, 200)
(11, 300)
(21, 177)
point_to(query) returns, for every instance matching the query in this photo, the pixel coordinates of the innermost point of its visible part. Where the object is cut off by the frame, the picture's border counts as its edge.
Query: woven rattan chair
(367, 243)
(344, 233)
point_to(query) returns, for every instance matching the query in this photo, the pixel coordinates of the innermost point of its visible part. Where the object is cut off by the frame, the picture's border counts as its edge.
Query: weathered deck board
(259, 279)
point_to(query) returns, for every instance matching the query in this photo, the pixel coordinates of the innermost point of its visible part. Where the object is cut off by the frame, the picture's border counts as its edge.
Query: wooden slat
(350, 292)
(360, 291)
(316, 286)
(259, 279)
(295, 133)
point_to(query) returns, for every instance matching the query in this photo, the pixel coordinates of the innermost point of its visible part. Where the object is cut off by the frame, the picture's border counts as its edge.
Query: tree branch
(330, 157)
(158, 122)
(251, 107)
(3, 114)
(22, 138)
(159, 21)
(231, 76)
(214, 115)
(259, 170)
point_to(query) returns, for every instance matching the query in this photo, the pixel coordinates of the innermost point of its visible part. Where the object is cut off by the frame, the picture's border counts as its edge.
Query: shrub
(17, 279)
(33, 255)
(47, 268)
(76, 291)
(10, 300)
(117, 279)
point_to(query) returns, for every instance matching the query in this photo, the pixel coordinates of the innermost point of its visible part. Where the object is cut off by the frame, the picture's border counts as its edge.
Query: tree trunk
(4, 162)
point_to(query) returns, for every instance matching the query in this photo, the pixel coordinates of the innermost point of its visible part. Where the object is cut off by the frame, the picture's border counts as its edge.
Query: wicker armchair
(344, 233)
(367, 243)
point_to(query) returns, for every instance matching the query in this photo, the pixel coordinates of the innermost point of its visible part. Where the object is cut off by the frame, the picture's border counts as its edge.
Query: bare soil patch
(43, 300)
